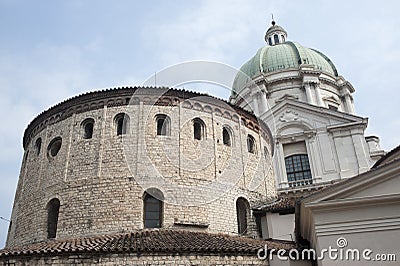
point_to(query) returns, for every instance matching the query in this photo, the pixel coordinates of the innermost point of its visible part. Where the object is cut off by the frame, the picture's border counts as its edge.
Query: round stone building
(141, 160)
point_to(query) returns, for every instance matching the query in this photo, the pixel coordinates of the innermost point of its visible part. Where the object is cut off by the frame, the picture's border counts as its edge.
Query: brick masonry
(100, 181)
(134, 259)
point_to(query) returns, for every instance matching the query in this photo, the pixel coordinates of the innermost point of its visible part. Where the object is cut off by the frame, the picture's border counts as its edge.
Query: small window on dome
(87, 128)
(54, 147)
(38, 145)
(122, 123)
(163, 125)
(198, 129)
(269, 41)
(226, 136)
(276, 39)
(251, 144)
(283, 38)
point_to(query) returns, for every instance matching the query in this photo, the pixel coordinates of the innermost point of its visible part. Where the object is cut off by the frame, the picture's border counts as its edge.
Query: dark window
(53, 209)
(276, 39)
(122, 123)
(38, 145)
(226, 137)
(54, 147)
(251, 144)
(269, 40)
(298, 170)
(198, 129)
(266, 153)
(163, 125)
(242, 212)
(153, 208)
(87, 128)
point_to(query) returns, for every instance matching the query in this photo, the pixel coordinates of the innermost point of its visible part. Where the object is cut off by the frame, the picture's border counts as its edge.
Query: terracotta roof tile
(150, 241)
(287, 201)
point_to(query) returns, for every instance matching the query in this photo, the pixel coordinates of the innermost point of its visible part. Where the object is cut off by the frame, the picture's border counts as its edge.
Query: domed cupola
(281, 55)
(275, 34)
(286, 69)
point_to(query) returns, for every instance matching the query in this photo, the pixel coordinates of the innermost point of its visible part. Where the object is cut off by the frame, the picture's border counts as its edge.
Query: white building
(319, 141)
(298, 92)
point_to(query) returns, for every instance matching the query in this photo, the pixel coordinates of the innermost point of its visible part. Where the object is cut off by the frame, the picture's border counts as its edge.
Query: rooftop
(150, 241)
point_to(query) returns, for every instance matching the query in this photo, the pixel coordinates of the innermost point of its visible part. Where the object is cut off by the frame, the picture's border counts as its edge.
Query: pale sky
(52, 50)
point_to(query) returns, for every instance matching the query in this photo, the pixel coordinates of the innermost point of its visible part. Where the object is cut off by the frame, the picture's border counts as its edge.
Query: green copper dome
(285, 55)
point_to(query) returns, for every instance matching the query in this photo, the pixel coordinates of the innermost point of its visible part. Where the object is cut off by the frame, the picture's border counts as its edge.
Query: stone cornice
(123, 96)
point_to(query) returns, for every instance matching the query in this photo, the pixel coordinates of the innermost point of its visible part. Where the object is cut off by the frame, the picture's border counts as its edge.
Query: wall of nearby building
(365, 227)
(360, 214)
(100, 181)
(281, 226)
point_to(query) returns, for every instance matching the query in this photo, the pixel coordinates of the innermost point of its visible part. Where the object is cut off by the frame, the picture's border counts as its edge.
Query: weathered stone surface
(100, 181)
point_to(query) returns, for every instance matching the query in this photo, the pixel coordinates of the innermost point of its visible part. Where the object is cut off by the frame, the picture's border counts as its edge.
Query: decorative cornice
(134, 95)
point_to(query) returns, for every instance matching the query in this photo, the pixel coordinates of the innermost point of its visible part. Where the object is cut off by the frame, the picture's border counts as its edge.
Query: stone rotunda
(138, 175)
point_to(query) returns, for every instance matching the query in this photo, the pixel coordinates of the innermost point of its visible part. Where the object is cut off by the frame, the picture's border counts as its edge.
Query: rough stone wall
(100, 181)
(133, 259)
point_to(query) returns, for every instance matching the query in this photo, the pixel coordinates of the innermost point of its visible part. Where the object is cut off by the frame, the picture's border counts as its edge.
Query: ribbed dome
(281, 56)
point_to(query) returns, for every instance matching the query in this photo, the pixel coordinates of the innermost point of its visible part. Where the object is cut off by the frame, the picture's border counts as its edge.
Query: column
(318, 95)
(264, 104)
(254, 104)
(279, 166)
(349, 104)
(307, 88)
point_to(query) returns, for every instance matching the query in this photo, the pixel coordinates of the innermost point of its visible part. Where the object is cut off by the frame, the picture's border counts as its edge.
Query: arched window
(251, 144)
(298, 170)
(87, 128)
(242, 212)
(276, 38)
(54, 147)
(38, 145)
(198, 129)
(226, 136)
(121, 123)
(266, 153)
(53, 209)
(163, 125)
(153, 208)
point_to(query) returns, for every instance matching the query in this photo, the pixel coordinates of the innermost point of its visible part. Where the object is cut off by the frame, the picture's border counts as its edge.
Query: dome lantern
(275, 34)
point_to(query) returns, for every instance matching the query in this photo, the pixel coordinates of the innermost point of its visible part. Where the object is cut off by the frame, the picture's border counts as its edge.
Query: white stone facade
(316, 109)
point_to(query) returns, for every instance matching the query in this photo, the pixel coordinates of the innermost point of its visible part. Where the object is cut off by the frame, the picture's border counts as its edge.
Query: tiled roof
(150, 241)
(281, 204)
(286, 201)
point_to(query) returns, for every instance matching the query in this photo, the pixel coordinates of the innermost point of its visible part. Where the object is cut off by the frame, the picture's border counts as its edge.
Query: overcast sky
(52, 50)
